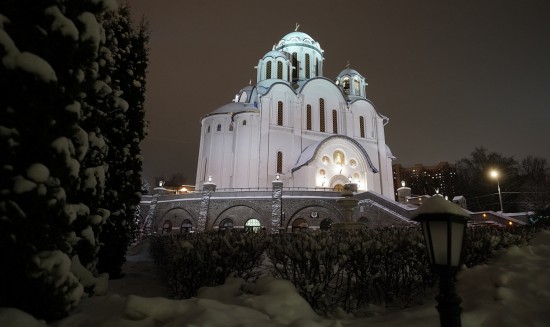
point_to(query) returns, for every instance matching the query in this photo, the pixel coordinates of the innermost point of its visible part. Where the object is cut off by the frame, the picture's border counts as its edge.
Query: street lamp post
(494, 174)
(444, 227)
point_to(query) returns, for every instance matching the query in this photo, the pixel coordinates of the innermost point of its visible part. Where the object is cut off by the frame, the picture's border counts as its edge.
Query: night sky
(450, 75)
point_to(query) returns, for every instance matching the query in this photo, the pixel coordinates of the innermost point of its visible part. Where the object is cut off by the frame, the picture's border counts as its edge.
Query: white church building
(313, 131)
(279, 155)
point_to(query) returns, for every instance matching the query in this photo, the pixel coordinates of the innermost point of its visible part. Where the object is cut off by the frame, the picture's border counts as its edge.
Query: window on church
(279, 70)
(362, 126)
(295, 65)
(307, 66)
(244, 122)
(280, 113)
(219, 128)
(321, 114)
(317, 67)
(231, 127)
(208, 129)
(268, 70)
(279, 162)
(334, 122)
(345, 85)
(356, 86)
(308, 117)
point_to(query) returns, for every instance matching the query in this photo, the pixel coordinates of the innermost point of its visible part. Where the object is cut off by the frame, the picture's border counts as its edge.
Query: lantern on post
(444, 228)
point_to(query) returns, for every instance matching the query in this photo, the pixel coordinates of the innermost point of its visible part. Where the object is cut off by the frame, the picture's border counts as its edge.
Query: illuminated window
(268, 70)
(280, 113)
(279, 70)
(362, 126)
(322, 114)
(295, 65)
(334, 122)
(219, 128)
(356, 86)
(307, 66)
(308, 118)
(279, 162)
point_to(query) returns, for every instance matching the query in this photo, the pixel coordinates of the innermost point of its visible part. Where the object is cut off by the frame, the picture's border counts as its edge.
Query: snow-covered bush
(482, 242)
(191, 261)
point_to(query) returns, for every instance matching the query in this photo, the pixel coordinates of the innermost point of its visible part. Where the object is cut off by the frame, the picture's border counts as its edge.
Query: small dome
(349, 72)
(298, 38)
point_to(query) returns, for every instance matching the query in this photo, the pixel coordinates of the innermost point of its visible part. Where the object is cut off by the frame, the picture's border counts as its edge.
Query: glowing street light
(494, 174)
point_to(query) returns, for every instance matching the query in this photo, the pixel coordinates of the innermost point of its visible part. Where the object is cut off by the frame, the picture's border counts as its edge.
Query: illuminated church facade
(312, 131)
(279, 155)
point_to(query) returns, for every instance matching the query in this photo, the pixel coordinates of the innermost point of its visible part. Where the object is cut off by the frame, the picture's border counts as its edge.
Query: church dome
(298, 38)
(351, 82)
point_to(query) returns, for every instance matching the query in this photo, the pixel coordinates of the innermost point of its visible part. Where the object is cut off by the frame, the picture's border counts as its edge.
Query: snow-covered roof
(234, 107)
(299, 39)
(310, 153)
(349, 72)
(275, 54)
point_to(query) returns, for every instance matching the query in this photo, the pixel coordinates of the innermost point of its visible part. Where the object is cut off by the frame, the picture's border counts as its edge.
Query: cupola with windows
(351, 82)
(274, 65)
(305, 54)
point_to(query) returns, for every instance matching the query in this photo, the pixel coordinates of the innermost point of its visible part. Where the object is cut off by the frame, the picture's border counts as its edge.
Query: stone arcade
(279, 155)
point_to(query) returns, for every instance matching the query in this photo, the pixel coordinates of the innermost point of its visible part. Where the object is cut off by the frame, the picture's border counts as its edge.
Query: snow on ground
(512, 290)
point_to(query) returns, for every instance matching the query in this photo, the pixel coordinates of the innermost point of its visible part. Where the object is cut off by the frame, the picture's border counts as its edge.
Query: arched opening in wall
(325, 224)
(299, 225)
(295, 66)
(334, 121)
(186, 226)
(338, 188)
(167, 227)
(268, 70)
(208, 129)
(345, 85)
(308, 117)
(279, 70)
(226, 224)
(356, 86)
(321, 115)
(317, 73)
(362, 126)
(279, 162)
(219, 128)
(307, 66)
(280, 113)
(252, 225)
(244, 122)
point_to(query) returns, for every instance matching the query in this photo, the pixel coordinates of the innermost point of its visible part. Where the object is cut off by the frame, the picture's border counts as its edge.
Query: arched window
(345, 85)
(279, 162)
(334, 122)
(244, 122)
(167, 227)
(268, 70)
(362, 126)
(295, 65)
(321, 114)
(252, 225)
(208, 129)
(186, 226)
(279, 70)
(338, 188)
(219, 128)
(307, 66)
(356, 86)
(280, 113)
(308, 117)
(317, 73)
(226, 224)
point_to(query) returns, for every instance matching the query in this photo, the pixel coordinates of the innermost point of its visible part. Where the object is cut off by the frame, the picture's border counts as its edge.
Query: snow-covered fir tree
(126, 49)
(53, 158)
